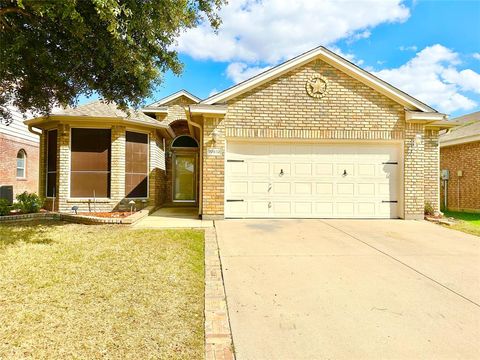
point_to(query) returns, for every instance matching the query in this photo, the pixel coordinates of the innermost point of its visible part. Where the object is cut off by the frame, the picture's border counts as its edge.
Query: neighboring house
(313, 137)
(18, 156)
(460, 155)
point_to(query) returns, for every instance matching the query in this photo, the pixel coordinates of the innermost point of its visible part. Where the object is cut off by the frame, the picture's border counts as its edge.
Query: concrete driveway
(351, 289)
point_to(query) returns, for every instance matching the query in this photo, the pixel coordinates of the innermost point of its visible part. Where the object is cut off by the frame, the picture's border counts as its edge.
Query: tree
(52, 51)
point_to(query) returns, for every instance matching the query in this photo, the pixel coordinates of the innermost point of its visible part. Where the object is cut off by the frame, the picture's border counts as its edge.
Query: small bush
(28, 203)
(4, 207)
(429, 210)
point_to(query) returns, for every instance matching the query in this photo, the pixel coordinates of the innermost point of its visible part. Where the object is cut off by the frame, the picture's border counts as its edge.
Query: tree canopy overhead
(52, 51)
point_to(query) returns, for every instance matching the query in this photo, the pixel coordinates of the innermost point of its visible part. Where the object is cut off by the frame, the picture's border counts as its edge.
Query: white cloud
(433, 77)
(476, 56)
(269, 31)
(408, 48)
(239, 71)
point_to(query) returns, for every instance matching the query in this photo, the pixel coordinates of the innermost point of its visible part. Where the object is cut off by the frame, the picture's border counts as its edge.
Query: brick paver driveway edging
(218, 337)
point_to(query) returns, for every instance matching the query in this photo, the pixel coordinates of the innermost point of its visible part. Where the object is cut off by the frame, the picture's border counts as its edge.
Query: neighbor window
(21, 163)
(136, 165)
(90, 163)
(51, 162)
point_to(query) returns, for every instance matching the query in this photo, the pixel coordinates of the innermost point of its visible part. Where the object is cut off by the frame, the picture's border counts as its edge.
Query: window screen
(51, 162)
(136, 165)
(90, 163)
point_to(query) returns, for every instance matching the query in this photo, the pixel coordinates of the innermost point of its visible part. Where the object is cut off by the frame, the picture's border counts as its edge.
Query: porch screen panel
(51, 163)
(136, 165)
(90, 163)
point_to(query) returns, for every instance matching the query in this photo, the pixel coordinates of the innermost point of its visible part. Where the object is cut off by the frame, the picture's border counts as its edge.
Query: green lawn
(100, 292)
(467, 222)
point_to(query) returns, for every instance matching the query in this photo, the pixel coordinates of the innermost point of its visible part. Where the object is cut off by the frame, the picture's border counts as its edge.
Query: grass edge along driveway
(466, 222)
(76, 291)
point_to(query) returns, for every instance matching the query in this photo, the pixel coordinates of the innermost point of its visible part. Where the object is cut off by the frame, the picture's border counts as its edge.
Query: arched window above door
(184, 141)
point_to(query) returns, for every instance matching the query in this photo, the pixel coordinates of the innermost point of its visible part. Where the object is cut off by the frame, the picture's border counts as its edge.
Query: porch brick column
(432, 171)
(414, 174)
(117, 170)
(213, 169)
(63, 168)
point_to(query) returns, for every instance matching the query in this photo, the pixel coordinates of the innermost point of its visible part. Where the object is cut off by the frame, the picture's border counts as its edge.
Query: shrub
(28, 203)
(4, 207)
(429, 210)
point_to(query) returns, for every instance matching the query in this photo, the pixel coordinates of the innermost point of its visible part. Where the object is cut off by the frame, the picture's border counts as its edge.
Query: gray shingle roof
(469, 126)
(99, 108)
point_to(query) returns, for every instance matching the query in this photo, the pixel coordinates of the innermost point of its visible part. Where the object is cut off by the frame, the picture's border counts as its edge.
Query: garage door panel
(345, 189)
(307, 180)
(238, 187)
(281, 188)
(259, 168)
(323, 169)
(260, 187)
(324, 189)
(281, 169)
(302, 188)
(302, 169)
(237, 168)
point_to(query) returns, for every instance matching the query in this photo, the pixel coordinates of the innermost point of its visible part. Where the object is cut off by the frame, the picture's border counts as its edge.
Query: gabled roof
(467, 131)
(172, 97)
(334, 60)
(99, 109)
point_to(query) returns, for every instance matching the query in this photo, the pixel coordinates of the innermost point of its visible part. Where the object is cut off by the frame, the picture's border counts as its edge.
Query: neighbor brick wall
(9, 148)
(465, 157)
(213, 170)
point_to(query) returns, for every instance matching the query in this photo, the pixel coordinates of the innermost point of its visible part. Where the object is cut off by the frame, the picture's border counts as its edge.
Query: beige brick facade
(213, 169)
(463, 191)
(281, 108)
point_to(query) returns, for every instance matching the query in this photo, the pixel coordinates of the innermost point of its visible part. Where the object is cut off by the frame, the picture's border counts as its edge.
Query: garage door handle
(235, 200)
(390, 163)
(344, 173)
(281, 172)
(389, 201)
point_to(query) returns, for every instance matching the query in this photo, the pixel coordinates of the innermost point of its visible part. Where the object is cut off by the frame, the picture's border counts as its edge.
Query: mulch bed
(113, 214)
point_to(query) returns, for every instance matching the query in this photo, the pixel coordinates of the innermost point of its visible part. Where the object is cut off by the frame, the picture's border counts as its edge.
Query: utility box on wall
(6, 192)
(445, 174)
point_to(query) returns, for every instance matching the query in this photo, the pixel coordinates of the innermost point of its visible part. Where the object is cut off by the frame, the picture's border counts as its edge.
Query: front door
(184, 189)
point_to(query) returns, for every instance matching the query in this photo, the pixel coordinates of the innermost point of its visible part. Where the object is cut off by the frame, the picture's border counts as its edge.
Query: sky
(429, 49)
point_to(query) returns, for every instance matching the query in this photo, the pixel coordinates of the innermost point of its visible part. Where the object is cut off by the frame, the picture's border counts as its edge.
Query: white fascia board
(462, 140)
(208, 109)
(332, 59)
(424, 116)
(174, 96)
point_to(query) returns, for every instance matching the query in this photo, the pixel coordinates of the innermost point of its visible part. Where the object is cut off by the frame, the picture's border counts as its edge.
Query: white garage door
(288, 180)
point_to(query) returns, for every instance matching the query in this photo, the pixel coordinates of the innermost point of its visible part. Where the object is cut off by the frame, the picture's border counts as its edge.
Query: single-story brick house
(460, 155)
(315, 137)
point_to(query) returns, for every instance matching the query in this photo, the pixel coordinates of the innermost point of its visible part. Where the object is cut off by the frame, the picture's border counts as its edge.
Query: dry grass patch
(110, 292)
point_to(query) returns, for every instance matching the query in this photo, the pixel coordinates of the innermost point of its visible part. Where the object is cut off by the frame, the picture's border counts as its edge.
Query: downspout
(200, 190)
(30, 128)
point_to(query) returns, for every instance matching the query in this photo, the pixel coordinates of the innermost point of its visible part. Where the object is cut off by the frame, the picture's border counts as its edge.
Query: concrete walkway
(346, 289)
(173, 217)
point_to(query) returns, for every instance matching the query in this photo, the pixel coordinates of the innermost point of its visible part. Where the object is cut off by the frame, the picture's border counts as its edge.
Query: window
(51, 162)
(21, 164)
(184, 141)
(136, 165)
(90, 163)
